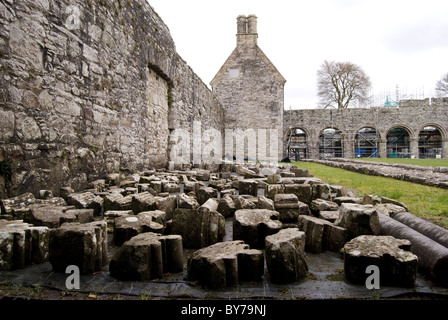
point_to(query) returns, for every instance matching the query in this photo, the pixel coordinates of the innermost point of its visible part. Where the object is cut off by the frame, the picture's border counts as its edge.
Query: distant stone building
(250, 88)
(414, 129)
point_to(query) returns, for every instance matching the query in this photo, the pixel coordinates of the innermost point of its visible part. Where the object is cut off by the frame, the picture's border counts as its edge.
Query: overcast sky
(401, 43)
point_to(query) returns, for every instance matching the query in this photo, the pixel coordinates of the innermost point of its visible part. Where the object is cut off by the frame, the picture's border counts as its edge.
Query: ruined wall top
(247, 30)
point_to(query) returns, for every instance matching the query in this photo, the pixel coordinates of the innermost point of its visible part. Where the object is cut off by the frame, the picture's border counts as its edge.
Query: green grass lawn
(427, 202)
(419, 162)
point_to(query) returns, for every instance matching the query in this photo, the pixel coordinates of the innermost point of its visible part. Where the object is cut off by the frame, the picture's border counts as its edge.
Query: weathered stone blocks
(147, 256)
(116, 201)
(285, 256)
(318, 205)
(83, 245)
(54, 216)
(397, 265)
(304, 192)
(289, 207)
(226, 206)
(22, 244)
(225, 264)
(321, 234)
(86, 200)
(128, 226)
(253, 225)
(358, 219)
(205, 193)
(143, 201)
(199, 227)
(248, 186)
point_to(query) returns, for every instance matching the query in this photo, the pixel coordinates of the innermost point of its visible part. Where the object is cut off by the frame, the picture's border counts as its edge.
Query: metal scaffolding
(430, 143)
(366, 143)
(331, 144)
(398, 144)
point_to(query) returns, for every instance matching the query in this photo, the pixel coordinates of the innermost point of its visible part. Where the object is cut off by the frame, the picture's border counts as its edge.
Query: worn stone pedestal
(397, 265)
(128, 226)
(322, 235)
(253, 225)
(226, 264)
(147, 256)
(285, 256)
(199, 227)
(22, 244)
(83, 245)
(358, 219)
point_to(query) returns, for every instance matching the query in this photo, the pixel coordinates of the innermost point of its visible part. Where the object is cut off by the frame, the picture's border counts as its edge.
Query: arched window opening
(297, 144)
(430, 143)
(398, 145)
(331, 144)
(366, 143)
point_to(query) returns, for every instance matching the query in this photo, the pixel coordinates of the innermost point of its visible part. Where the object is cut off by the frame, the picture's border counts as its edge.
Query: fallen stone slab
(432, 256)
(86, 200)
(116, 201)
(167, 204)
(8, 206)
(126, 227)
(274, 178)
(395, 202)
(397, 264)
(358, 219)
(272, 189)
(81, 215)
(321, 235)
(147, 256)
(285, 256)
(344, 199)
(187, 202)
(205, 193)
(248, 186)
(318, 205)
(241, 202)
(265, 203)
(226, 206)
(83, 245)
(144, 201)
(389, 209)
(425, 227)
(304, 192)
(253, 225)
(289, 207)
(247, 173)
(225, 264)
(320, 190)
(48, 216)
(22, 244)
(330, 216)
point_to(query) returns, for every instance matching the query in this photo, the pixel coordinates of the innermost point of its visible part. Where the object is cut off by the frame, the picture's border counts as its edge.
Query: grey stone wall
(412, 115)
(90, 87)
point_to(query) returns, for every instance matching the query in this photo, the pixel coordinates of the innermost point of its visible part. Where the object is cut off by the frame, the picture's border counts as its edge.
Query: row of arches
(367, 143)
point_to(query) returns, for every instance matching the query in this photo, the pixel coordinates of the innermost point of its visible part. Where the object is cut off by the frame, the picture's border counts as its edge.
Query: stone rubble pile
(234, 219)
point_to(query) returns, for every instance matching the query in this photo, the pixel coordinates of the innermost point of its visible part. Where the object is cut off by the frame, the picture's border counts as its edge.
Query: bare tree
(442, 86)
(340, 84)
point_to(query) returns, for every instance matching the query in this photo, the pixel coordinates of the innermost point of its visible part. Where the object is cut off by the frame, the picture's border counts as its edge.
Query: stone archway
(398, 143)
(298, 144)
(367, 142)
(430, 143)
(331, 143)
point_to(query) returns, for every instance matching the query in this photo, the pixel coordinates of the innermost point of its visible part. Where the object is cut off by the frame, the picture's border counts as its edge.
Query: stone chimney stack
(247, 30)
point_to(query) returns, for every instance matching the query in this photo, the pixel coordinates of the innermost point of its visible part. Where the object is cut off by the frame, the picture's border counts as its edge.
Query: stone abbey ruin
(90, 94)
